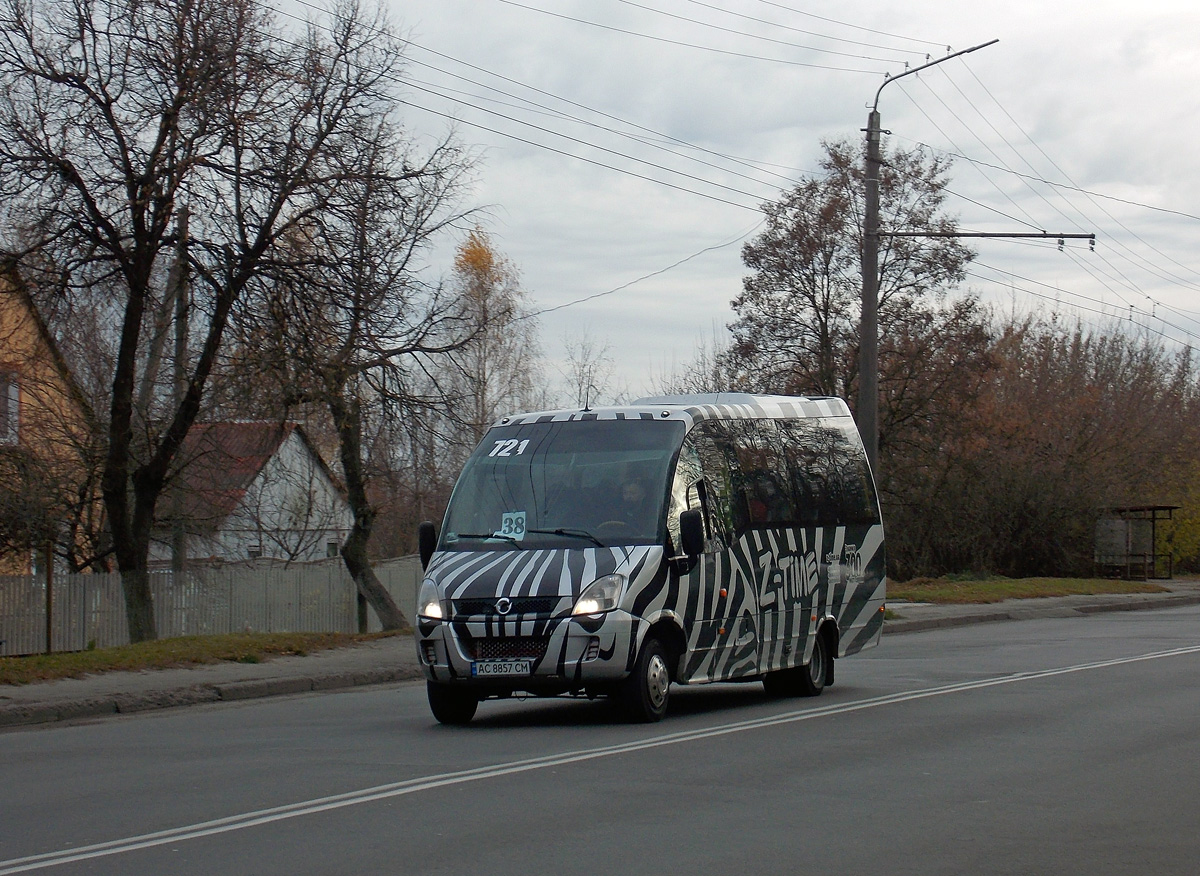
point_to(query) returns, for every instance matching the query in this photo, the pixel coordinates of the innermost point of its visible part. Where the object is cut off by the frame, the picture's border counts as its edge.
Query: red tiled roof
(219, 463)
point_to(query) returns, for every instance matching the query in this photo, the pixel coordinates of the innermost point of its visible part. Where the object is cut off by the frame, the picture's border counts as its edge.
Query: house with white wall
(246, 490)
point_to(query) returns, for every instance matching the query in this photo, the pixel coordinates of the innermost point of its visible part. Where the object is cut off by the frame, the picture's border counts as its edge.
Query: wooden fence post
(49, 597)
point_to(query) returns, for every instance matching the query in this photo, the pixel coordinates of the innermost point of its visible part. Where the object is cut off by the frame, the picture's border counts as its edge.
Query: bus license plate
(500, 668)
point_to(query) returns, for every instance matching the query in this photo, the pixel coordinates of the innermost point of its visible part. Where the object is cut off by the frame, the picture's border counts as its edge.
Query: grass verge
(949, 591)
(171, 653)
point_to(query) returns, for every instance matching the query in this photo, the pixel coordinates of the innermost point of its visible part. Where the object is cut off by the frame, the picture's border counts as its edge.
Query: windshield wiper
(486, 535)
(571, 533)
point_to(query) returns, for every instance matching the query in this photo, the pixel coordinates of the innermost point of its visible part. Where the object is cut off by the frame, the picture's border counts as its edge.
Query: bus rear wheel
(451, 705)
(801, 681)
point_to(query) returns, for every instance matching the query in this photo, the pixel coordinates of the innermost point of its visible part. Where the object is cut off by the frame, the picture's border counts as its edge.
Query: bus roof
(697, 406)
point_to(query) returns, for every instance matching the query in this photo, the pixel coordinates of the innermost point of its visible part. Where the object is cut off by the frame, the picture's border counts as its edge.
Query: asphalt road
(1041, 746)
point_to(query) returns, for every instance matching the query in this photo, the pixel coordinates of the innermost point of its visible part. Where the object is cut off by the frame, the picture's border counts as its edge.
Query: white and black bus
(684, 539)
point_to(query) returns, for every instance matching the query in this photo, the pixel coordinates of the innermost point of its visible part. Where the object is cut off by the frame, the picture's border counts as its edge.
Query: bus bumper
(558, 655)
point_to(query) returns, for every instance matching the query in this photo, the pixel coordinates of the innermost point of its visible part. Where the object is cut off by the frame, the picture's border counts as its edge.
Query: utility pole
(179, 289)
(868, 350)
(49, 596)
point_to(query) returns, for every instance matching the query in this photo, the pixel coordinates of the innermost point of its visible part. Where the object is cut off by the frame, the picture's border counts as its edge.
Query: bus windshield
(579, 483)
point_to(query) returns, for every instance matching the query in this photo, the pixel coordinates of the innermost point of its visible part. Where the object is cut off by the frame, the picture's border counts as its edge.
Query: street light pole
(868, 331)
(868, 349)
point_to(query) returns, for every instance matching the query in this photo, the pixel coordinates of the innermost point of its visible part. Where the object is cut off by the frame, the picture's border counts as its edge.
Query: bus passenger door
(742, 624)
(723, 627)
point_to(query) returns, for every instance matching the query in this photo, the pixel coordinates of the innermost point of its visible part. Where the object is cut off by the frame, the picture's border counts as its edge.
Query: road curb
(23, 714)
(1174, 601)
(17, 715)
(901, 625)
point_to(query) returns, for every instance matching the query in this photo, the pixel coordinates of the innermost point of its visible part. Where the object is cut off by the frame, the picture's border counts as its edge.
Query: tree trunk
(354, 555)
(139, 607)
(347, 417)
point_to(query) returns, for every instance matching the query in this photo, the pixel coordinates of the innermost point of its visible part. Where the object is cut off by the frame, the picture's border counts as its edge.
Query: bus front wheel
(451, 705)
(645, 693)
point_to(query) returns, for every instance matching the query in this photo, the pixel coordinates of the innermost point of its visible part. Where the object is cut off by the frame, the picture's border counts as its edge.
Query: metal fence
(89, 610)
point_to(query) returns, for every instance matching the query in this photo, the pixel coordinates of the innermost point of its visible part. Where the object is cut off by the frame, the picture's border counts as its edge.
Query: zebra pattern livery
(742, 612)
(749, 609)
(669, 408)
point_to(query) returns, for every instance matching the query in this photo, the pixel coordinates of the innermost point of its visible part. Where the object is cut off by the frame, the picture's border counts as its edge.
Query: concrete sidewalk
(394, 659)
(381, 661)
(913, 616)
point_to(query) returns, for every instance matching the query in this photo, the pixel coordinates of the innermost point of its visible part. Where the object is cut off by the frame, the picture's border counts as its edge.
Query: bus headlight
(600, 596)
(428, 603)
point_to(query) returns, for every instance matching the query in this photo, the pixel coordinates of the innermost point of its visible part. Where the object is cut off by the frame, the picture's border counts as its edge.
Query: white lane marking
(427, 783)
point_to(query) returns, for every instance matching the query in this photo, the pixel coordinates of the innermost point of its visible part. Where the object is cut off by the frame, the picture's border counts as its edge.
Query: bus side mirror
(426, 542)
(691, 532)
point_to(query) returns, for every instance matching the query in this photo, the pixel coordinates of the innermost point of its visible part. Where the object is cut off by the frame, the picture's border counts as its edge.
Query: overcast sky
(714, 120)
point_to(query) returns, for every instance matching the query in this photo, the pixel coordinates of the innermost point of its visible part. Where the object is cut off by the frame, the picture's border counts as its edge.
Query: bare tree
(797, 325)
(590, 370)
(713, 368)
(347, 322)
(113, 118)
(498, 369)
(1065, 422)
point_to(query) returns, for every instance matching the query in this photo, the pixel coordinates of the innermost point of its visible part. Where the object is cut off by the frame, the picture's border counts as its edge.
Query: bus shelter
(1127, 543)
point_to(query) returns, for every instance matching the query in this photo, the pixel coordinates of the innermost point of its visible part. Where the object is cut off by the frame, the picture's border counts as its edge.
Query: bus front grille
(508, 648)
(517, 605)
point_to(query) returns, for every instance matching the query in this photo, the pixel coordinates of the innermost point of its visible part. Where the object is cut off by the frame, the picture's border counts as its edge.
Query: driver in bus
(633, 497)
(630, 511)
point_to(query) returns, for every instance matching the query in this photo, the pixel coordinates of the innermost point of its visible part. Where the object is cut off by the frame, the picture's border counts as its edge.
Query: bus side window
(711, 487)
(816, 455)
(687, 472)
(859, 502)
(829, 468)
(697, 497)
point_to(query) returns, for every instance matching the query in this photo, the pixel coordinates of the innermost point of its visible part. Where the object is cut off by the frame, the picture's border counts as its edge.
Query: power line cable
(743, 33)
(817, 34)
(660, 271)
(1121, 249)
(688, 45)
(596, 146)
(432, 89)
(1159, 272)
(795, 11)
(397, 80)
(1154, 306)
(578, 157)
(665, 138)
(1031, 222)
(948, 78)
(747, 162)
(1127, 305)
(1073, 185)
(1132, 255)
(1120, 276)
(543, 109)
(1080, 307)
(1069, 187)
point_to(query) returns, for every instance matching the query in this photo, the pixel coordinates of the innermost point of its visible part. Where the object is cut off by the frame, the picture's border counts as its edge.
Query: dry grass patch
(986, 590)
(171, 653)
